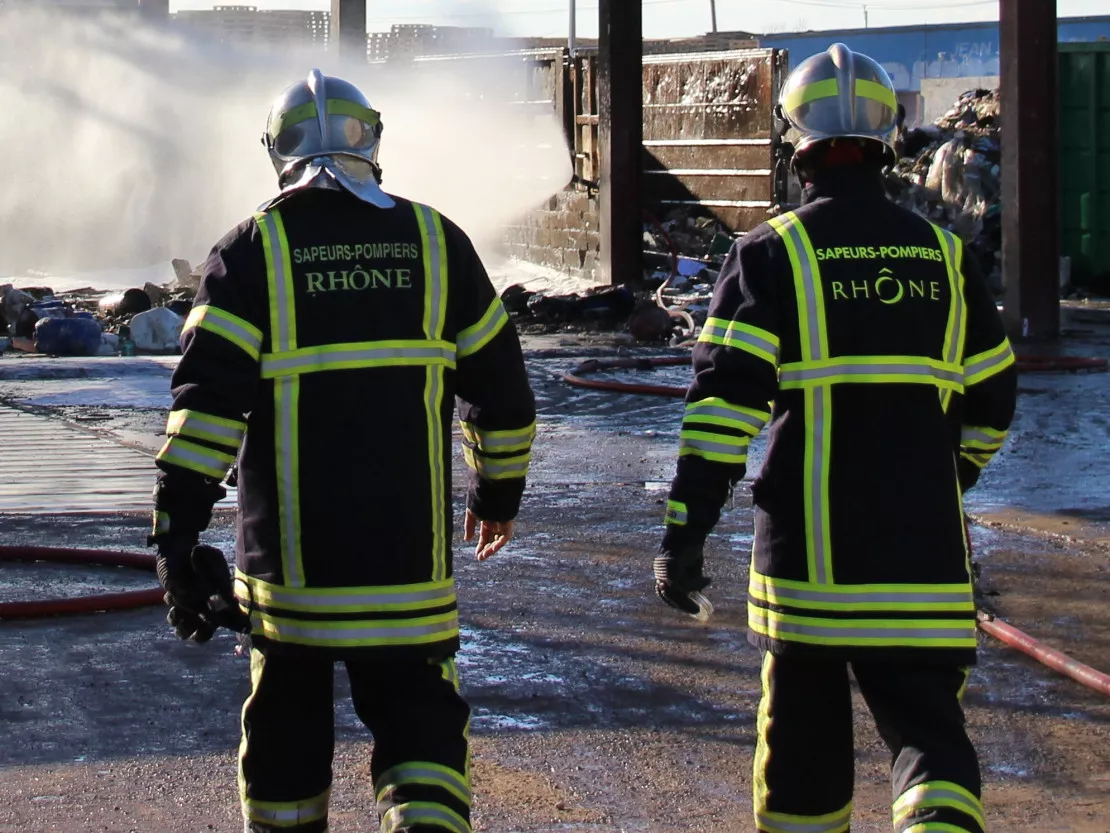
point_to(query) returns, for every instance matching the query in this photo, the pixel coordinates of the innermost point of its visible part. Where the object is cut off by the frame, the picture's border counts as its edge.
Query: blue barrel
(67, 336)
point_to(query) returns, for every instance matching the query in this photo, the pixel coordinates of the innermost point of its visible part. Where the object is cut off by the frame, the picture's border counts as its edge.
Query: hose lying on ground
(1026, 364)
(95, 603)
(1054, 659)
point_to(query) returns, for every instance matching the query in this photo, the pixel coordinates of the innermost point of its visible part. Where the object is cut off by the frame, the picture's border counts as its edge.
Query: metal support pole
(572, 40)
(348, 29)
(713, 14)
(620, 136)
(1030, 169)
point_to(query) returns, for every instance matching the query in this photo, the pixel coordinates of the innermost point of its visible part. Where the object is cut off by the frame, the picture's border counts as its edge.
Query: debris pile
(950, 172)
(91, 322)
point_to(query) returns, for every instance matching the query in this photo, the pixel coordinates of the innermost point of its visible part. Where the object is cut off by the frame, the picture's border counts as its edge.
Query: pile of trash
(90, 322)
(950, 172)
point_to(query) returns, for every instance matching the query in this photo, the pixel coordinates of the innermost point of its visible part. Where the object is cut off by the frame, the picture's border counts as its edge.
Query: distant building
(407, 41)
(259, 27)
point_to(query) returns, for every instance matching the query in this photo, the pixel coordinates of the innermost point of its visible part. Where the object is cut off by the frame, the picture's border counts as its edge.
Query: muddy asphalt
(596, 707)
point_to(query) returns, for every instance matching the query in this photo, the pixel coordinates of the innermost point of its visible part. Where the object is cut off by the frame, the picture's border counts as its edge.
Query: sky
(669, 18)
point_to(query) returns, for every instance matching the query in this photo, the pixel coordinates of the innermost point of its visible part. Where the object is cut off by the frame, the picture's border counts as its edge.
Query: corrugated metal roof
(48, 467)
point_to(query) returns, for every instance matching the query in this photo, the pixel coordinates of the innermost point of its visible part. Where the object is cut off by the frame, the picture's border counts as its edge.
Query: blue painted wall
(910, 53)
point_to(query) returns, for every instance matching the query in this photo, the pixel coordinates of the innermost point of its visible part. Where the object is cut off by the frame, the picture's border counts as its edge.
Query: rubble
(115, 318)
(950, 173)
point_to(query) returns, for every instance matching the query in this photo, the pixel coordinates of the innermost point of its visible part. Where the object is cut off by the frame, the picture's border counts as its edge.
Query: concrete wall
(939, 94)
(564, 233)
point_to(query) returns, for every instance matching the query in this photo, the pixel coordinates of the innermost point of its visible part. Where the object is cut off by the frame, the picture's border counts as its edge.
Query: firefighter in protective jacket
(331, 339)
(866, 338)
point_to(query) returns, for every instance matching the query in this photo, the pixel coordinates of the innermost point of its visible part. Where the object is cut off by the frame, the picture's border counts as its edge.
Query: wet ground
(596, 707)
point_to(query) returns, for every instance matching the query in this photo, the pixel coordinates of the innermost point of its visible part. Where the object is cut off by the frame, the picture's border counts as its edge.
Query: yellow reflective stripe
(357, 355)
(935, 827)
(877, 92)
(923, 633)
(474, 338)
(357, 632)
(977, 460)
(982, 366)
(287, 813)
(387, 598)
(956, 329)
(885, 597)
(835, 822)
(762, 748)
(497, 468)
(304, 112)
(209, 427)
(810, 296)
(751, 339)
(198, 458)
(429, 774)
(161, 522)
(811, 92)
(717, 411)
(676, 513)
(427, 813)
(238, 331)
(435, 314)
(499, 442)
(449, 669)
(720, 448)
(287, 394)
(938, 794)
(343, 107)
(982, 437)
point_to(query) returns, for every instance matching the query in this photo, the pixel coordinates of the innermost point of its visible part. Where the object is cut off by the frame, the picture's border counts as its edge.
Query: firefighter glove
(200, 598)
(678, 576)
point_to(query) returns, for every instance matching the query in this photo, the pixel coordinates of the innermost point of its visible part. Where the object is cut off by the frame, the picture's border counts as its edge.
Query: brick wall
(564, 233)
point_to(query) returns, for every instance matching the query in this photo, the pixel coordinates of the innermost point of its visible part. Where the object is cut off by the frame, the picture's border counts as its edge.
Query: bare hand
(492, 535)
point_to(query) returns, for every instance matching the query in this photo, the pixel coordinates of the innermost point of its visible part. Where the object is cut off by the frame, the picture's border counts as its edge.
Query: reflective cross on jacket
(327, 348)
(867, 340)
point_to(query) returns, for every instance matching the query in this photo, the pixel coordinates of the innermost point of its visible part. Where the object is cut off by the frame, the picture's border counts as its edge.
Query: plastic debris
(75, 336)
(157, 330)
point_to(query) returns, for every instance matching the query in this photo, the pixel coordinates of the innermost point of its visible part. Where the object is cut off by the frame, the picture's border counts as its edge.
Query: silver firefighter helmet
(323, 133)
(839, 94)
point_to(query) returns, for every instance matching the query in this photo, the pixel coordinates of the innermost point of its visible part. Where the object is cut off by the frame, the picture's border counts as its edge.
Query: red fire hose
(1054, 659)
(81, 604)
(1000, 630)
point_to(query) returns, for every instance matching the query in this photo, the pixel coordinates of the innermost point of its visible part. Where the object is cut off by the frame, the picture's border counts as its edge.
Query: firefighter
(333, 334)
(866, 337)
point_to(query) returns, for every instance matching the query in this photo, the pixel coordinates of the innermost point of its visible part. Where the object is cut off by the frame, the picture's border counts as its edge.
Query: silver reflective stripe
(196, 457)
(492, 469)
(280, 284)
(828, 372)
(695, 410)
(436, 459)
(760, 586)
(470, 341)
(333, 359)
(488, 443)
(408, 815)
(991, 361)
(289, 485)
(953, 356)
(731, 334)
(760, 617)
(362, 632)
(282, 815)
(809, 282)
(775, 821)
(435, 282)
(974, 435)
(194, 424)
(820, 430)
(737, 447)
(275, 597)
(416, 773)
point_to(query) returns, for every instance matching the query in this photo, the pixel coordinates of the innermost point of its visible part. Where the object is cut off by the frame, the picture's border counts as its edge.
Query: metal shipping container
(1085, 159)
